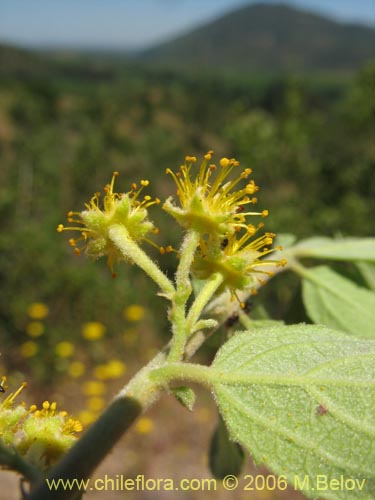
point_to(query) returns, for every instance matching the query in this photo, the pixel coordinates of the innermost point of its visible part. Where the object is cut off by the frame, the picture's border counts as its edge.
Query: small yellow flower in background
(134, 312)
(111, 370)
(93, 330)
(95, 404)
(87, 417)
(64, 349)
(126, 209)
(35, 329)
(76, 369)
(93, 388)
(28, 349)
(144, 425)
(37, 310)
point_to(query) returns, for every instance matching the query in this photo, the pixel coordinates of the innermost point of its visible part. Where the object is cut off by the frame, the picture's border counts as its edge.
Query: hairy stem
(204, 296)
(12, 460)
(120, 237)
(183, 291)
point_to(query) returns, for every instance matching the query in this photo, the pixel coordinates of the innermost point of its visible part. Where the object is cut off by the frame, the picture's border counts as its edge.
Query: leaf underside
(337, 302)
(337, 249)
(301, 399)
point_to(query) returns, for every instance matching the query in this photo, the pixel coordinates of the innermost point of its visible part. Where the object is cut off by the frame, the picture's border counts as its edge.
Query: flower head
(208, 202)
(42, 435)
(215, 207)
(127, 209)
(239, 259)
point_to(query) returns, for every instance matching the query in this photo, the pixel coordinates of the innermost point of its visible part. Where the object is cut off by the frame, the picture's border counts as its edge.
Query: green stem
(187, 252)
(210, 376)
(190, 372)
(12, 460)
(245, 320)
(130, 250)
(204, 296)
(299, 269)
(183, 291)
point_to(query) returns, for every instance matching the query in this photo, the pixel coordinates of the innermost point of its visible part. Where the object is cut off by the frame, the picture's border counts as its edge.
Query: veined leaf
(338, 249)
(367, 269)
(335, 301)
(301, 399)
(226, 457)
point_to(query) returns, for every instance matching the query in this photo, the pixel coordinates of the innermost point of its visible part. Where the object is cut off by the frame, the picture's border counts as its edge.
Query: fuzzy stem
(204, 296)
(120, 237)
(12, 460)
(83, 458)
(183, 291)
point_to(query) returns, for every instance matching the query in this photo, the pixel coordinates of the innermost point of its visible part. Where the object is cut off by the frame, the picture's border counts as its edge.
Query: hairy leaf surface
(301, 399)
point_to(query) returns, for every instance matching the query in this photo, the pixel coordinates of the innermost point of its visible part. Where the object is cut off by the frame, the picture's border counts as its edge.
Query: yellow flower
(93, 388)
(134, 312)
(127, 209)
(76, 369)
(238, 259)
(208, 202)
(144, 425)
(93, 330)
(95, 404)
(35, 329)
(37, 310)
(64, 349)
(215, 207)
(113, 369)
(28, 349)
(87, 417)
(42, 435)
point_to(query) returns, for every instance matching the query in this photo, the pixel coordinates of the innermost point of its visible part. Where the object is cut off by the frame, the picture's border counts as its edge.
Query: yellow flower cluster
(127, 209)
(42, 435)
(216, 207)
(211, 201)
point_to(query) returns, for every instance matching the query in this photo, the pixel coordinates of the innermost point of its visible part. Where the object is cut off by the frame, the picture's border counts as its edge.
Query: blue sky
(132, 24)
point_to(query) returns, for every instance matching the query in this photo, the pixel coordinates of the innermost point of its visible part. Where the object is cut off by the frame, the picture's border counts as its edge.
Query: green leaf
(367, 270)
(335, 301)
(185, 396)
(226, 457)
(301, 399)
(338, 249)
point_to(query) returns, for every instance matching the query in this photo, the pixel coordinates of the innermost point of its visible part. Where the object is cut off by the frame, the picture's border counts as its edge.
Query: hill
(271, 38)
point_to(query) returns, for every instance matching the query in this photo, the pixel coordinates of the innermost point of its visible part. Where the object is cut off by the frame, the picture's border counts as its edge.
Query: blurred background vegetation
(68, 119)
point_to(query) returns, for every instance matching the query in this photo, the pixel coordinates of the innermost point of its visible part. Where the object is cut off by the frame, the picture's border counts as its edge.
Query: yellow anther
(224, 162)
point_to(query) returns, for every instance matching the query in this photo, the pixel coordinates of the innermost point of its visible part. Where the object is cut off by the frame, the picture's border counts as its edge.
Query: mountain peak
(272, 38)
